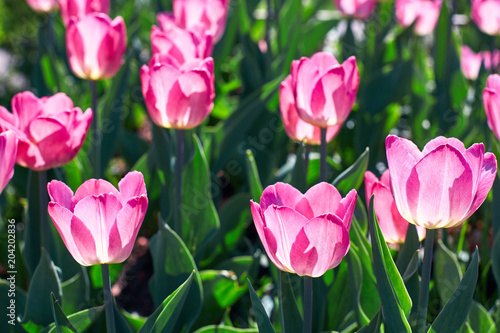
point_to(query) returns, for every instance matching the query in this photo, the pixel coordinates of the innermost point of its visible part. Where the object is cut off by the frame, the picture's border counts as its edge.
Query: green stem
(96, 139)
(423, 297)
(108, 299)
(322, 151)
(307, 152)
(280, 300)
(308, 302)
(179, 163)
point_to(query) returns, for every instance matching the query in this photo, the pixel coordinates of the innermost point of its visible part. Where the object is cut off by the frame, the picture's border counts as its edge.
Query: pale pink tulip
(491, 99)
(80, 8)
(99, 224)
(304, 234)
(392, 224)
(424, 13)
(176, 96)
(43, 6)
(49, 129)
(178, 43)
(296, 128)
(8, 152)
(441, 186)
(211, 14)
(360, 9)
(486, 14)
(96, 45)
(470, 62)
(324, 90)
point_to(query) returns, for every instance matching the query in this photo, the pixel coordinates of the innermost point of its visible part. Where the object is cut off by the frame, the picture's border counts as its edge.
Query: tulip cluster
(424, 13)
(470, 62)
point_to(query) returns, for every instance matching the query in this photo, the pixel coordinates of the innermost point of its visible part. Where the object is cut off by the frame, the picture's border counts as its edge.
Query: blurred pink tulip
(360, 9)
(392, 224)
(441, 186)
(96, 45)
(470, 62)
(99, 224)
(324, 90)
(296, 128)
(43, 6)
(209, 13)
(8, 152)
(49, 129)
(424, 13)
(178, 43)
(486, 14)
(176, 96)
(80, 8)
(491, 99)
(304, 234)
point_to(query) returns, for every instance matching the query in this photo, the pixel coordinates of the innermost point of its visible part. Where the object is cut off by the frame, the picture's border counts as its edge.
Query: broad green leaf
(291, 319)
(81, 320)
(62, 323)
(447, 272)
(356, 285)
(353, 176)
(75, 291)
(480, 320)
(337, 296)
(253, 177)
(374, 324)
(261, 317)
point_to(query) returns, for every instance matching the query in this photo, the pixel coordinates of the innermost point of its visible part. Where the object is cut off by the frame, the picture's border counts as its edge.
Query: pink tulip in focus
(8, 152)
(96, 45)
(424, 13)
(179, 97)
(304, 234)
(470, 62)
(491, 99)
(486, 14)
(43, 6)
(324, 90)
(211, 14)
(180, 44)
(99, 224)
(49, 129)
(80, 8)
(441, 186)
(360, 9)
(296, 128)
(392, 224)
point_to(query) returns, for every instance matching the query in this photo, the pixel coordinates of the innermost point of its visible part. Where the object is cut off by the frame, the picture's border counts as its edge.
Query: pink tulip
(296, 128)
(176, 96)
(486, 14)
(324, 90)
(96, 45)
(49, 129)
(180, 44)
(304, 234)
(424, 13)
(360, 9)
(441, 186)
(99, 224)
(43, 6)
(392, 224)
(491, 99)
(209, 13)
(80, 8)
(8, 152)
(470, 62)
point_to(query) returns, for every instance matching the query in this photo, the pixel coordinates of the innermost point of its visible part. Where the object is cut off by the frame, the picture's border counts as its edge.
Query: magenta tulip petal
(424, 13)
(8, 153)
(280, 194)
(345, 210)
(94, 187)
(60, 193)
(475, 158)
(324, 62)
(85, 244)
(132, 185)
(370, 180)
(392, 224)
(79, 8)
(491, 99)
(486, 14)
(441, 140)
(43, 6)
(23, 102)
(316, 196)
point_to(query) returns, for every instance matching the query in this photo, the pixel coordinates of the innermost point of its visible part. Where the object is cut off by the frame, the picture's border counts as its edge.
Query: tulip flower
(304, 234)
(486, 14)
(49, 129)
(442, 185)
(392, 224)
(324, 90)
(360, 9)
(95, 45)
(99, 224)
(80, 8)
(424, 13)
(470, 62)
(295, 127)
(209, 13)
(8, 152)
(179, 97)
(43, 6)
(491, 99)
(180, 44)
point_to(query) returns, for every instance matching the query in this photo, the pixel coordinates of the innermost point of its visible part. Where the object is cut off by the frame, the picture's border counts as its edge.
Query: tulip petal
(85, 244)
(132, 185)
(370, 180)
(345, 209)
(55, 104)
(111, 49)
(75, 49)
(329, 100)
(324, 61)
(280, 194)
(93, 187)
(60, 193)
(322, 198)
(25, 107)
(392, 224)
(8, 151)
(475, 156)
(441, 140)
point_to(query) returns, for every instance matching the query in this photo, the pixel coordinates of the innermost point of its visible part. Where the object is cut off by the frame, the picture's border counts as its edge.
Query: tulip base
(108, 299)
(308, 304)
(423, 297)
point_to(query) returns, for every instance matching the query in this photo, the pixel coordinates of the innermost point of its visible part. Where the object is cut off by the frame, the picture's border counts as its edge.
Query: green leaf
(165, 316)
(19, 297)
(261, 317)
(289, 310)
(447, 272)
(411, 244)
(396, 303)
(253, 177)
(374, 324)
(353, 176)
(61, 321)
(225, 329)
(480, 320)
(81, 320)
(355, 271)
(299, 177)
(76, 291)
(455, 312)
(495, 257)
